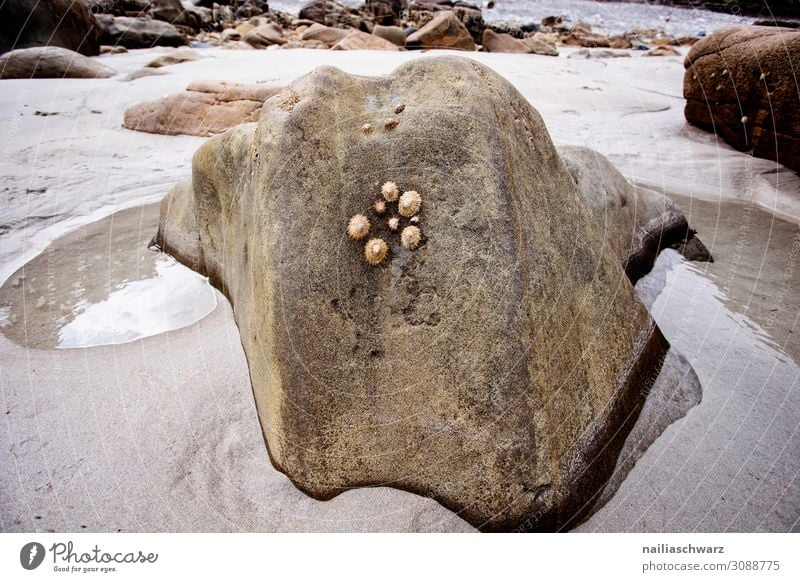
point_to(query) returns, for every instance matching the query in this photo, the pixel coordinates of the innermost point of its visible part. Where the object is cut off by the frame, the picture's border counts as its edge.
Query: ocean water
(607, 17)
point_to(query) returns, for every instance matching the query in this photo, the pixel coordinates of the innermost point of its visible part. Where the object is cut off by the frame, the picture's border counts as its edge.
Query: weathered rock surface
(636, 223)
(358, 40)
(540, 45)
(330, 13)
(64, 23)
(496, 369)
(385, 12)
(264, 36)
(444, 31)
(329, 35)
(205, 108)
(50, 62)
(494, 42)
(421, 13)
(136, 33)
(741, 82)
(174, 57)
(662, 51)
(393, 34)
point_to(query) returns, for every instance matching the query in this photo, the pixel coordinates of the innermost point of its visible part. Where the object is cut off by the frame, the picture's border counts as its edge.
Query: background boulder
(133, 33)
(205, 108)
(50, 62)
(742, 83)
(444, 31)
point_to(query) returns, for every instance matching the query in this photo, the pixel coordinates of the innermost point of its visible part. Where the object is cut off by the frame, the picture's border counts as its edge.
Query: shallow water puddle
(687, 301)
(101, 285)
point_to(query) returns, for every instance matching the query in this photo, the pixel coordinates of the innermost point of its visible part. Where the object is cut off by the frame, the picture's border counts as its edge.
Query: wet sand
(102, 284)
(160, 434)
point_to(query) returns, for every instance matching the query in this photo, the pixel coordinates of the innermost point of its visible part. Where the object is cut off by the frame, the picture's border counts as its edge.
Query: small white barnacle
(358, 227)
(410, 237)
(390, 191)
(375, 251)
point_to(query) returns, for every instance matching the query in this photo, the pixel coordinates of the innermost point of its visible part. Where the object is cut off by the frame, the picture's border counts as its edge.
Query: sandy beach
(161, 433)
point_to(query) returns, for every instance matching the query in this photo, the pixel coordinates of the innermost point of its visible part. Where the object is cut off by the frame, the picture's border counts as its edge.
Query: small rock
(264, 36)
(329, 35)
(205, 108)
(136, 33)
(444, 31)
(173, 58)
(502, 43)
(393, 34)
(50, 62)
(662, 51)
(358, 40)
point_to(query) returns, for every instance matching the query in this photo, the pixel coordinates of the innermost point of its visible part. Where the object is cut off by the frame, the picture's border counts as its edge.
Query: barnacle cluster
(391, 208)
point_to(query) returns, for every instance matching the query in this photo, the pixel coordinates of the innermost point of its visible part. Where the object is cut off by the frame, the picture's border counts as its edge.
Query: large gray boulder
(50, 62)
(64, 23)
(496, 368)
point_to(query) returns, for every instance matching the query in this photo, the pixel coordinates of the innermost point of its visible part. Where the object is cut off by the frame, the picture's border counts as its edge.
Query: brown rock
(358, 40)
(619, 42)
(502, 43)
(50, 62)
(174, 57)
(145, 72)
(136, 33)
(662, 51)
(590, 40)
(306, 44)
(497, 368)
(582, 28)
(540, 44)
(330, 13)
(232, 34)
(385, 12)
(444, 31)
(112, 50)
(264, 36)
(205, 108)
(394, 34)
(741, 82)
(327, 34)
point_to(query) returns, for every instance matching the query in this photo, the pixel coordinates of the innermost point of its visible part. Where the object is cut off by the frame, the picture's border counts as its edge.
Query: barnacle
(390, 191)
(375, 251)
(410, 237)
(358, 227)
(366, 128)
(379, 207)
(409, 203)
(394, 223)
